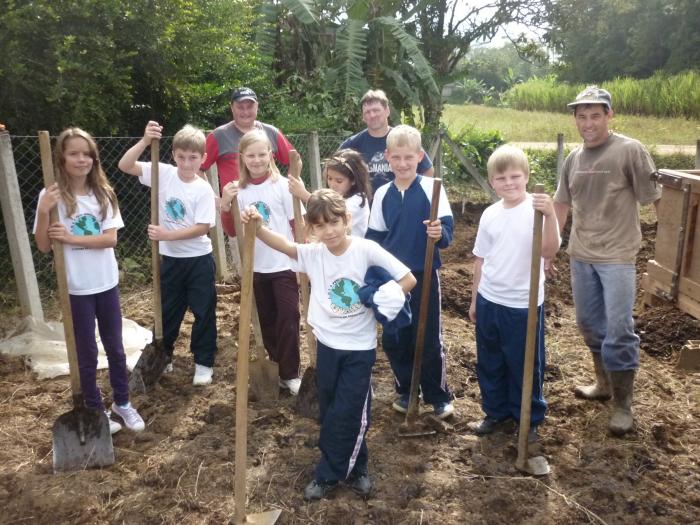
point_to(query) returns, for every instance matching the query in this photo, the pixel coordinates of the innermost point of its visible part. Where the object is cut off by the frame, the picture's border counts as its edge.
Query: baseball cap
(592, 95)
(243, 93)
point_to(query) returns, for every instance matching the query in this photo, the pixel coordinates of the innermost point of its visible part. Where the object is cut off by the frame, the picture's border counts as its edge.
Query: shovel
(81, 437)
(307, 399)
(153, 359)
(264, 373)
(247, 302)
(537, 465)
(411, 427)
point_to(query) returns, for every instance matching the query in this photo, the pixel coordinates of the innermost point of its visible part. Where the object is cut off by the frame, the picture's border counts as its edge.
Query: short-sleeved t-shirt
(89, 270)
(603, 186)
(359, 213)
(504, 241)
(274, 203)
(338, 318)
(372, 149)
(181, 205)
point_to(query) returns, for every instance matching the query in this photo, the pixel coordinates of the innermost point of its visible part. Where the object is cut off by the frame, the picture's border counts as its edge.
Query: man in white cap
(222, 144)
(604, 181)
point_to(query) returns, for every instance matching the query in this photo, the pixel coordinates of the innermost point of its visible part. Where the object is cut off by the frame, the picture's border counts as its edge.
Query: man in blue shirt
(371, 142)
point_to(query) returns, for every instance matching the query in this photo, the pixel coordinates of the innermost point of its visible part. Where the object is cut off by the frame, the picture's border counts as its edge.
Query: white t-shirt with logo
(181, 205)
(274, 202)
(89, 270)
(360, 214)
(338, 318)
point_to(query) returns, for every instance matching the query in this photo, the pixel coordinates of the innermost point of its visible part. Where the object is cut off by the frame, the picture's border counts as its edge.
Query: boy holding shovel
(501, 287)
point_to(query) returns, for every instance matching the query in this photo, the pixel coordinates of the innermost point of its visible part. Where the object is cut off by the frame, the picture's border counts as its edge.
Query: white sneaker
(114, 427)
(291, 384)
(130, 416)
(202, 375)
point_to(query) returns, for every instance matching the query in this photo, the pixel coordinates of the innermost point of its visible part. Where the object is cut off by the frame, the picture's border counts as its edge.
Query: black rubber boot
(601, 389)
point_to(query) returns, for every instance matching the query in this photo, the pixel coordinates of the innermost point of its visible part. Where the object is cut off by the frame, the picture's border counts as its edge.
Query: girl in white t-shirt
(275, 286)
(347, 173)
(345, 330)
(89, 217)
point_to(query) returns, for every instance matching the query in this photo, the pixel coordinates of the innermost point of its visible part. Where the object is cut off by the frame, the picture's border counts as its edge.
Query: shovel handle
(412, 411)
(242, 369)
(61, 276)
(155, 255)
(531, 338)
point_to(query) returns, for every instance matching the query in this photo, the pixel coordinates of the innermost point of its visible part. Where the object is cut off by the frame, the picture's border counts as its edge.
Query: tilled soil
(180, 470)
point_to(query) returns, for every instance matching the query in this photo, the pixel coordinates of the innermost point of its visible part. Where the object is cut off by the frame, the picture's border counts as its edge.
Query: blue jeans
(604, 298)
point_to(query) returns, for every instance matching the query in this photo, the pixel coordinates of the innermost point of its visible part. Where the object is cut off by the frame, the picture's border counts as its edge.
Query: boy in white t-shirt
(500, 294)
(345, 330)
(187, 211)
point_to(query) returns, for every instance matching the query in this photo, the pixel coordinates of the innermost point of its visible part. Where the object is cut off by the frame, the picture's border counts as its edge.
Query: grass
(540, 126)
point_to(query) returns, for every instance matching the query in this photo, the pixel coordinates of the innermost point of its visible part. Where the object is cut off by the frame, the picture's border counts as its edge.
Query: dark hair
(606, 109)
(350, 164)
(324, 205)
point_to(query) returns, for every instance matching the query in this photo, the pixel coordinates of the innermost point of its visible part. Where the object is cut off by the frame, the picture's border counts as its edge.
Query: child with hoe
(399, 222)
(274, 280)
(346, 333)
(88, 220)
(186, 214)
(346, 173)
(501, 288)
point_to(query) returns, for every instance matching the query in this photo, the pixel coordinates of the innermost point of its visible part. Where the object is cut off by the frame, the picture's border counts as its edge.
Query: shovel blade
(269, 517)
(307, 399)
(535, 466)
(149, 367)
(416, 428)
(264, 380)
(81, 439)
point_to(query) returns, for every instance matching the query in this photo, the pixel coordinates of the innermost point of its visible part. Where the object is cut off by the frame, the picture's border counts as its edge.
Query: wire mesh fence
(133, 249)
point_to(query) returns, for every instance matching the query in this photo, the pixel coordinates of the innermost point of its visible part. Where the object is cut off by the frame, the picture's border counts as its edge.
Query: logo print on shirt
(379, 164)
(175, 209)
(85, 224)
(263, 210)
(343, 296)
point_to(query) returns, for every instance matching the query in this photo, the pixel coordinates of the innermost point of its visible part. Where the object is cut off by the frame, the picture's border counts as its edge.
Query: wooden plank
(690, 288)
(218, 243)
(560, 155)
(471, 169)
(687, 305)
(17, 236)
(659, 274)
(669, 215)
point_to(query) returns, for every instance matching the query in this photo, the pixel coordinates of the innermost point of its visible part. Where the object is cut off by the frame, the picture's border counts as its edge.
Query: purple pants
(105, 307)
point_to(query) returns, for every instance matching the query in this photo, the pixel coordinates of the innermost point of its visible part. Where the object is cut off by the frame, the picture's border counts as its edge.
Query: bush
(477, 146)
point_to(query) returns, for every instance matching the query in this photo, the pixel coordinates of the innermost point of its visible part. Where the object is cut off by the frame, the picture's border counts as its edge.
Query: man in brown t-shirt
(603, 182)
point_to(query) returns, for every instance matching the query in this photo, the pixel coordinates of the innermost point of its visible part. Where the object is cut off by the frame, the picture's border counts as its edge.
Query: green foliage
(477, 145)
(661, 95)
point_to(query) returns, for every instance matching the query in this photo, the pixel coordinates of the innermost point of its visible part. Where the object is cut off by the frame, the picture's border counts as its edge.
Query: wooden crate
(673, 275)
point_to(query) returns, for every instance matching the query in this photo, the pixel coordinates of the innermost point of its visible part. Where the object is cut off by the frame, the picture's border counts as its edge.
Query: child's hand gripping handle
(61, 275)
(155, 255)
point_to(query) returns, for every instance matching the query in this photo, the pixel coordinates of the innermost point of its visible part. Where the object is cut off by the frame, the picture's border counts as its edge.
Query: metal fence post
(17, 237)
(217, 232)
(560, 155)
(315, 162)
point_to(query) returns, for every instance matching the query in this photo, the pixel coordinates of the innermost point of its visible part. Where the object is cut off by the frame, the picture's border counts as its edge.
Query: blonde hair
(402, 136)
(190, 138)
(374, 95)
(324, 205)
(96, 180)
(505, 157)
(351, 164)
(250, 138)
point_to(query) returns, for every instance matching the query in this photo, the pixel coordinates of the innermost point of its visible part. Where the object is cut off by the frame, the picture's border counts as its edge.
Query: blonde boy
(399, 223)
(500, 293)
(186, 213)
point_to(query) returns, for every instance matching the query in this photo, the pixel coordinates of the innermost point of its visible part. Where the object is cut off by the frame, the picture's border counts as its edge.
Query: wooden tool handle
(242, 368)
(60, 268)
(155, 255)
(531, 338)
(412, 412)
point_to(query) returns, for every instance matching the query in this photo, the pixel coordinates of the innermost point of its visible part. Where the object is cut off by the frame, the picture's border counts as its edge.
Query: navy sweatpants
(104, 307)
(433, 380)
(344, 394)
(190, 282)
(500, 354)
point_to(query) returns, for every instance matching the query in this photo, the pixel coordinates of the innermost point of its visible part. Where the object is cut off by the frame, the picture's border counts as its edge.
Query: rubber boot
(601, 389)
(621, 420)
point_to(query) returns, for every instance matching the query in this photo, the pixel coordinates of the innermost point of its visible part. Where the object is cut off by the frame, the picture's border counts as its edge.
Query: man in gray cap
(603, 181)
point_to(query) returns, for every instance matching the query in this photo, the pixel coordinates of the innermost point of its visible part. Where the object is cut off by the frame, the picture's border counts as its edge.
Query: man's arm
(561, 210)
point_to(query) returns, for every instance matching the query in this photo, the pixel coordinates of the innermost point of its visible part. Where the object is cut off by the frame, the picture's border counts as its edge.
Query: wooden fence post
(560, 155)
(217, 233)
(315, 162)
(17, 236)
(697, 154)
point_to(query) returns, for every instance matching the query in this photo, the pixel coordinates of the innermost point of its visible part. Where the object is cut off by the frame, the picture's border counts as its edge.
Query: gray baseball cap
(592, 95)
